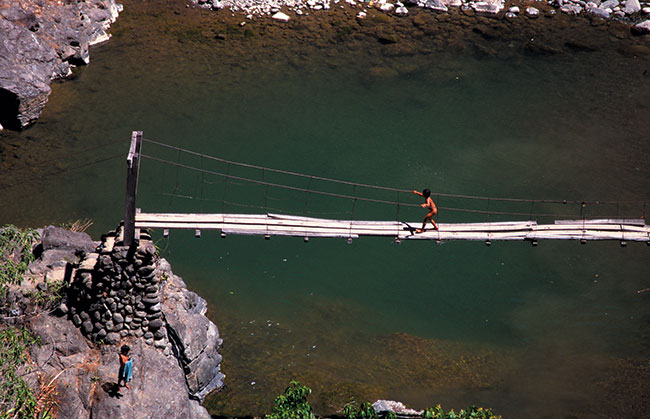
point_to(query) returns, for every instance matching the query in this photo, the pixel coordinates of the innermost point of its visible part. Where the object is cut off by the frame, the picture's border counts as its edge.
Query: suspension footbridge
(563, 224)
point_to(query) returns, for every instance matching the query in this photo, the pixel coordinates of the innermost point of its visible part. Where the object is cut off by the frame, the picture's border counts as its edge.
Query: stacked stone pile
(119, 292)
(116, 294)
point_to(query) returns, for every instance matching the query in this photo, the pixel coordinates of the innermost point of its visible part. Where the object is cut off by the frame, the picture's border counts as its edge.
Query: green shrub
(292, 404)
(15, 254)
(16, 398)
(51, 296)
(353, 410)
(471, 412)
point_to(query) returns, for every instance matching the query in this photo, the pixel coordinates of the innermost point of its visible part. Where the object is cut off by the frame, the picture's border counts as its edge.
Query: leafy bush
(353, 410)
(49, 297)
(471, 412)
(15, 254)
(16, 398)
(292, 404)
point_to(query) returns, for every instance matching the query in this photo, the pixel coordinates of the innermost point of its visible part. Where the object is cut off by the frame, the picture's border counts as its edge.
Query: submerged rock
(281, 17)
(642, 28)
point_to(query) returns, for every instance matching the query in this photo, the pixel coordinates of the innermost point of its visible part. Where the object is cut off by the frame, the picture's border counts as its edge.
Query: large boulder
(194, 338)
(60, 238)
(86, 377)
(26, 67)
(39, 42)
(642, 28)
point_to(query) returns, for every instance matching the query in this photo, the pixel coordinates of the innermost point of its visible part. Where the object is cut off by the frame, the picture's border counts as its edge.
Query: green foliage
(471, 412)
(51, 296)
(16, 398)
(292, 404)
(15, 254)
(78, 226)
(353, 410)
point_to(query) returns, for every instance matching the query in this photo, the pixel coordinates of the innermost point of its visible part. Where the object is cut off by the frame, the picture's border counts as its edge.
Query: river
(546, 111)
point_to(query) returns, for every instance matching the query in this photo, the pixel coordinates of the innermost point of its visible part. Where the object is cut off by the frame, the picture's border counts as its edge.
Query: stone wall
(116, 295)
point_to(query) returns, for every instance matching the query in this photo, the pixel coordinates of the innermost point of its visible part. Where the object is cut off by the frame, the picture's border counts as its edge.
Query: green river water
(549, 331)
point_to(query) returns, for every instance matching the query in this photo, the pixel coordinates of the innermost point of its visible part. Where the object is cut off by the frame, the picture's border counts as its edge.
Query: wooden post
(132, 169)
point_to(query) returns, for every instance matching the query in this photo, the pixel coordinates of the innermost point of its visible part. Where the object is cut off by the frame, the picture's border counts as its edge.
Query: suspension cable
(364, 185)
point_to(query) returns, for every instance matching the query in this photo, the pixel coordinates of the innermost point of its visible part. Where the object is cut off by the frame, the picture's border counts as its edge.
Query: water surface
(554, 330)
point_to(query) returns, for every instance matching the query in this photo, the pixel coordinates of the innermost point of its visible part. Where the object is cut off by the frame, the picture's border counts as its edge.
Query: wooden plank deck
(288, 225)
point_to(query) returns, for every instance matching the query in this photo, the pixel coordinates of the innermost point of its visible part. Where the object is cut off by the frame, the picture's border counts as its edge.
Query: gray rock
(600, 12)
(632, 6)
(146, 251)
(642, 28)
(87, 326)
(609, 4)
(151, 368)
(487, 7)
(53, 258)
(96, 316)
(532, 12)
(145, 270)
(194, 338)
(112, 338)
(26, 65)
(150, 301)
(101, 334)
(85, 375)
(155, 315)
(60, 238)
(436, 5)
(117, 318)
(63, 308)
(571, 9)
(396, 407)
(155, 324)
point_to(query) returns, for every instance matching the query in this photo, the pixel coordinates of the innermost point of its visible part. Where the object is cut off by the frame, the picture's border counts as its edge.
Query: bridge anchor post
(132, 170)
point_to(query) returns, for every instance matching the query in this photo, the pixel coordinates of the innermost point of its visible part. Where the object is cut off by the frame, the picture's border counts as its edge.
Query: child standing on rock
(126, 367)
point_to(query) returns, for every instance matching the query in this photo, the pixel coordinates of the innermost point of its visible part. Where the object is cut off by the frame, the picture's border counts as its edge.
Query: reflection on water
(555, 330)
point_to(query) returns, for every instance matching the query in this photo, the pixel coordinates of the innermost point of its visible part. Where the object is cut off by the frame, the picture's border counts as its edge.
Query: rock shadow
(112, 389)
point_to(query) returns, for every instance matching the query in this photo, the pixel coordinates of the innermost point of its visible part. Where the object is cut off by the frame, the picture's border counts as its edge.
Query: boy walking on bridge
(433, 210)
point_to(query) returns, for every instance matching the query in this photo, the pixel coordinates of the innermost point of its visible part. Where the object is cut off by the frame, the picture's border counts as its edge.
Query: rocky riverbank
(41, 41)
(631, 11)
(170, 377)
